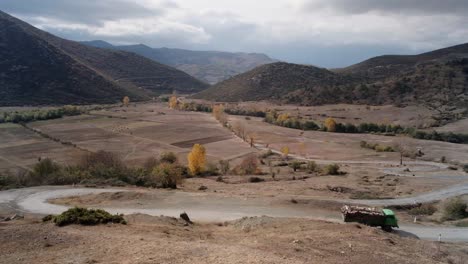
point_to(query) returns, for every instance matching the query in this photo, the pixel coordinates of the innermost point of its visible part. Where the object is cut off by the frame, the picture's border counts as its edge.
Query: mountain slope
(39, 68)
(436, 82)
(209, 66)
(388, 65)
(276, 81)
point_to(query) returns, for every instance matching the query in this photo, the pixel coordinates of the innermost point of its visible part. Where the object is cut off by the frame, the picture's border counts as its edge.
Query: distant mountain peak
(209, 66)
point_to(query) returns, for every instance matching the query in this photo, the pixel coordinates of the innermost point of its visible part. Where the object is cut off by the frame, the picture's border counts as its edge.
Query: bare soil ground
(250, 240)
(135, 133)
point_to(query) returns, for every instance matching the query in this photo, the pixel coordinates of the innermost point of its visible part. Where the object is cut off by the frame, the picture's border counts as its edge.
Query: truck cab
(390, 220)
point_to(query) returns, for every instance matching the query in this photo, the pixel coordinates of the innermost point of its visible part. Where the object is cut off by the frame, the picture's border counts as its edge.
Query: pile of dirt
(250, 223)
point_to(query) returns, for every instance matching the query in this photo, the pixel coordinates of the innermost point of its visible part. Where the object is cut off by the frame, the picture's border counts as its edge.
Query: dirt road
(211, 207)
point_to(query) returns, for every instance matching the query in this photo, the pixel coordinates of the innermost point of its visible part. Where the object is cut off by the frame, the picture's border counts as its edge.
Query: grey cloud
(90, 12)
(391, 6)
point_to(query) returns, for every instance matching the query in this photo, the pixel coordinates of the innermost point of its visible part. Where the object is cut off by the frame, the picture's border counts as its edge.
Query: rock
(203, 188)
(13, 217)
(186, 218)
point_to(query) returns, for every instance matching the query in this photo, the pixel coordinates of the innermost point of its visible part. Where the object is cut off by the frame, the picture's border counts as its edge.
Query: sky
(326, 33)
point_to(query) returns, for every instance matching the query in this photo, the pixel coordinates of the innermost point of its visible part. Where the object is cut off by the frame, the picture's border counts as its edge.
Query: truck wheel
(387, 228)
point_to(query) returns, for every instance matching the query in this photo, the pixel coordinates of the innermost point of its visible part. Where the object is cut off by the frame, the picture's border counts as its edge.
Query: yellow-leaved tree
(126, 101)
(330, 124)
(197, 159)
(219, 114)
(285, 151)
(173, 102)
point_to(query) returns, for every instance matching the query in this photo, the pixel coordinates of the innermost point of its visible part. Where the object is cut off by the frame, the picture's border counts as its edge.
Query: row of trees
(286, 120)
(330, 125)
(39, 114)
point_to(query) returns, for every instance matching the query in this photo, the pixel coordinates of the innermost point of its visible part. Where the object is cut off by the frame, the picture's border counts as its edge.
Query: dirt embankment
(249, 240)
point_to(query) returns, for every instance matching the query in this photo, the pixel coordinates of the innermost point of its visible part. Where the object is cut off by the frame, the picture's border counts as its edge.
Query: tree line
(38, 114)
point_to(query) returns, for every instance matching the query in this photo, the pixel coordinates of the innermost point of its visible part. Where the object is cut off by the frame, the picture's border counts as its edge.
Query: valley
(131, 154)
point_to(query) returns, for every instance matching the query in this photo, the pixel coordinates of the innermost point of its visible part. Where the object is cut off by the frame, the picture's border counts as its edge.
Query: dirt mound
(250, 223)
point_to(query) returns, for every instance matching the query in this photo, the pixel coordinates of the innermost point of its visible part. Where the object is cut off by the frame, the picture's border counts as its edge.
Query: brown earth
(250, 240)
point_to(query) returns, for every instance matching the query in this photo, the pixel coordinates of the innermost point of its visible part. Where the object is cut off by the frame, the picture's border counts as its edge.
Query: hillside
(388, 65)
(209, 66)
(60, 71)
(277, 81)
(442, 81)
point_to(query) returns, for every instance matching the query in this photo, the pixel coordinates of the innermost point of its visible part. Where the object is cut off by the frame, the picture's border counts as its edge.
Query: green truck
(370, 216)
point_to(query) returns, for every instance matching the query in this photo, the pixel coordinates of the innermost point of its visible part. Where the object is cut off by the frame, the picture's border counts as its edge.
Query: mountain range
(208, 66)
(39, 68)
(437, 78)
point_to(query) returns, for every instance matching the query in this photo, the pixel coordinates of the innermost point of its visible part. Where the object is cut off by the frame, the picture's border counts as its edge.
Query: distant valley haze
(324, 33)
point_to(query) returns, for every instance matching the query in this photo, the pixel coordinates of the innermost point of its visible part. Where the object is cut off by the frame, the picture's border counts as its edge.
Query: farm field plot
(20, 148)
(135, 133)
(340, 146)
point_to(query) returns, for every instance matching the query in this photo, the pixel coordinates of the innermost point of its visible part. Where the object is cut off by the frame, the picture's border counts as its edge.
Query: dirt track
(201, 207)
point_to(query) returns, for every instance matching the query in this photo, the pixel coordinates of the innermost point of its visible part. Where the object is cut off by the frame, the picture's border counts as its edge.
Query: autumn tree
(219, 114)
(285, 151)
(197, 159)
(249, 165)
(126, 101)
(239, 130)
(330, 124)
(173, 102)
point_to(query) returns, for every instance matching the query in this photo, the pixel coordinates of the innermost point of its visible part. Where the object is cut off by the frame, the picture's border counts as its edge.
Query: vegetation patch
(84, 216)
(39, 114)
(423, 209)
(332, 169)
(455, 209)
(376, 147)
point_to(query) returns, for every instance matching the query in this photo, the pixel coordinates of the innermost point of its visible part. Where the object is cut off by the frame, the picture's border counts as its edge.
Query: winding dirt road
(210, 207)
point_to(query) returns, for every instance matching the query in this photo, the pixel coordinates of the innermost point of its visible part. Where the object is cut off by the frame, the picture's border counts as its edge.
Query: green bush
(295, 165)
(332, 169)
(311, 166)
(455, 209)
(425, 209)
(43, 170)
(165, 175)
(83, 216)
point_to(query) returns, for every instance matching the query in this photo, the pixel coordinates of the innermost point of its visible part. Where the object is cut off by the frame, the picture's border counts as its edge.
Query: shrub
(425, 209)
(295, 165)
(311, 166)
(224, 166)
(168, 157)
(256, 179)
(211, 170)
(332, 169)
(249, 165)
(44, 169)
(83, 216)
(455, 209)
(165, 175)
(443, 159)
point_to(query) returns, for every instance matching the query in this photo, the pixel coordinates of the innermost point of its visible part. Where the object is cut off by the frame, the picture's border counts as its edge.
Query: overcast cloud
(328, 33)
